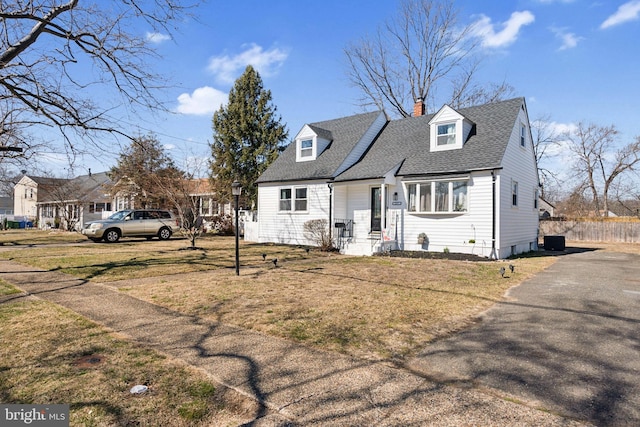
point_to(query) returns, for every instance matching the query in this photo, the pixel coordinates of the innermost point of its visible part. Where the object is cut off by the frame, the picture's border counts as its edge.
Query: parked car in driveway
(147, 223)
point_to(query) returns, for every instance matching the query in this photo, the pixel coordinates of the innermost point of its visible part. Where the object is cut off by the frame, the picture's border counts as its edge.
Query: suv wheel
(112, 236)
(164, 233)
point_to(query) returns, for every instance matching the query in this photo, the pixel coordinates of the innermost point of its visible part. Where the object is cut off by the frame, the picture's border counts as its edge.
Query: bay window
(437, 196)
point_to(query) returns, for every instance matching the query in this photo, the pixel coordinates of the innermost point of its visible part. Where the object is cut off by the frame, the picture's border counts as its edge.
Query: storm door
(376, 209)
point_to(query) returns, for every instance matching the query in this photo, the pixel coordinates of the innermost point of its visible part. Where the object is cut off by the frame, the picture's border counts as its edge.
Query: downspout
(330, 185)
(383, 210)
(493, 215)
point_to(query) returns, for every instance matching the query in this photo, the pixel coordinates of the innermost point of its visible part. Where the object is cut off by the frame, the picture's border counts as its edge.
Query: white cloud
(204, 100)
(485, 29)
(228, 68)
(630, 11)
(569, 40)
(562, 128)
(157, 38)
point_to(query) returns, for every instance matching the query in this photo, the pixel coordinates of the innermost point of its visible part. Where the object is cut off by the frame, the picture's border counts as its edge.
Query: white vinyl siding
(282, 226)
(449, 230)
(517, 227)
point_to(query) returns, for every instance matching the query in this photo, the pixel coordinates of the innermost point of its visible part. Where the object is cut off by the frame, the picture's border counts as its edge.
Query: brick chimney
(418, 108)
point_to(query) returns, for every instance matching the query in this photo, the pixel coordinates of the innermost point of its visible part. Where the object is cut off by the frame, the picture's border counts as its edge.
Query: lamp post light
(236, 189)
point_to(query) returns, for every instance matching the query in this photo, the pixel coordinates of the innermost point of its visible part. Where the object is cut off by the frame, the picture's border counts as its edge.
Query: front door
(376, 209)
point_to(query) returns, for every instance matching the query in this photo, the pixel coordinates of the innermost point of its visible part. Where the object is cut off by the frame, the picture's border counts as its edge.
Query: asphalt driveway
(567, 340)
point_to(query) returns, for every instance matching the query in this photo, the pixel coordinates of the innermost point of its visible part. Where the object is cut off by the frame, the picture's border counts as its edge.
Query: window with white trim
(293, 199)
(446, 134)
(437, 196)
(523, 135)
(301, 199)
(285, 199)
(514, 193)
(306, 148)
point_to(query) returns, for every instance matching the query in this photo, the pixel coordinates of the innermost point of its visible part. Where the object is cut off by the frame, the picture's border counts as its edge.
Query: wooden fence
(592, 231)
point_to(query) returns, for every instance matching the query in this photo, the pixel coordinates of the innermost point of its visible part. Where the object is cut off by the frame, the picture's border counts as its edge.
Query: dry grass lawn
(378, 308)
(51, 355)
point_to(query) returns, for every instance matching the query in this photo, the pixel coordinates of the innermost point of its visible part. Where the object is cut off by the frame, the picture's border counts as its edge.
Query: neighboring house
(546, 209)
(54, 202)
(125, 194)
(28, 190)
(6, 206)
(459, 181)
(58, 202)
(199, 189)
(204, 198)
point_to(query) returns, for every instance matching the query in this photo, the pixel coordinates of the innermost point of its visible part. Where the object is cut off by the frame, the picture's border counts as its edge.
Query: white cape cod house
(458, 180)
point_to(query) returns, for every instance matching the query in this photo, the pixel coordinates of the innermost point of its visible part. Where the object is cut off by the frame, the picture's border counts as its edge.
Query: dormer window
(306, 148)
(446, 134)
(311, 141)
(448, 130)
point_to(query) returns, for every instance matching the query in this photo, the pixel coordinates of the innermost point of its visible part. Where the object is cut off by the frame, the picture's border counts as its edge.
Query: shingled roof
(404, 143)
(344, 134)
(93, 187)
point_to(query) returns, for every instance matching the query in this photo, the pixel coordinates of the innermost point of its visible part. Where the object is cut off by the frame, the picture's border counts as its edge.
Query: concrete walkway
(295, 385)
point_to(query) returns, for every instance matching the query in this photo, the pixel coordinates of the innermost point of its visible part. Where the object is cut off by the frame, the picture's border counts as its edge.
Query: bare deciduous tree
(413, 55)
(185, 194)
(60, 58)
(599, 163)
(546, 139)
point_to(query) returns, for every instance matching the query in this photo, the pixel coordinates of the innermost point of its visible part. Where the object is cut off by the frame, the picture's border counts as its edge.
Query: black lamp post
(236, 189)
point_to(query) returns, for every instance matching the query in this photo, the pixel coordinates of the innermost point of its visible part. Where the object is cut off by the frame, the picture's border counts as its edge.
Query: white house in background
(458, 180)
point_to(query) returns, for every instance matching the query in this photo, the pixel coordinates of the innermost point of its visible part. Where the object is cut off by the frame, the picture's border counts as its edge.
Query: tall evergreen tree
(139, 169)
(246, 136)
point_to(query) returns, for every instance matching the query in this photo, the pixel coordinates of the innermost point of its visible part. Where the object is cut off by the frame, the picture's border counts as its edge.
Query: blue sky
(573, 60)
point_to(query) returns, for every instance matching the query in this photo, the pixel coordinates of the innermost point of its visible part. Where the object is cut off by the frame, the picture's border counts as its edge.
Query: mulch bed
(436, 255)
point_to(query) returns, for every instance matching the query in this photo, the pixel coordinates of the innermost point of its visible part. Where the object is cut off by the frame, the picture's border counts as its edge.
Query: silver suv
(147, 223)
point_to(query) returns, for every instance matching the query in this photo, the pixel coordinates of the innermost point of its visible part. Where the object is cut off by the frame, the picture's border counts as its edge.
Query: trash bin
(554, 243)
